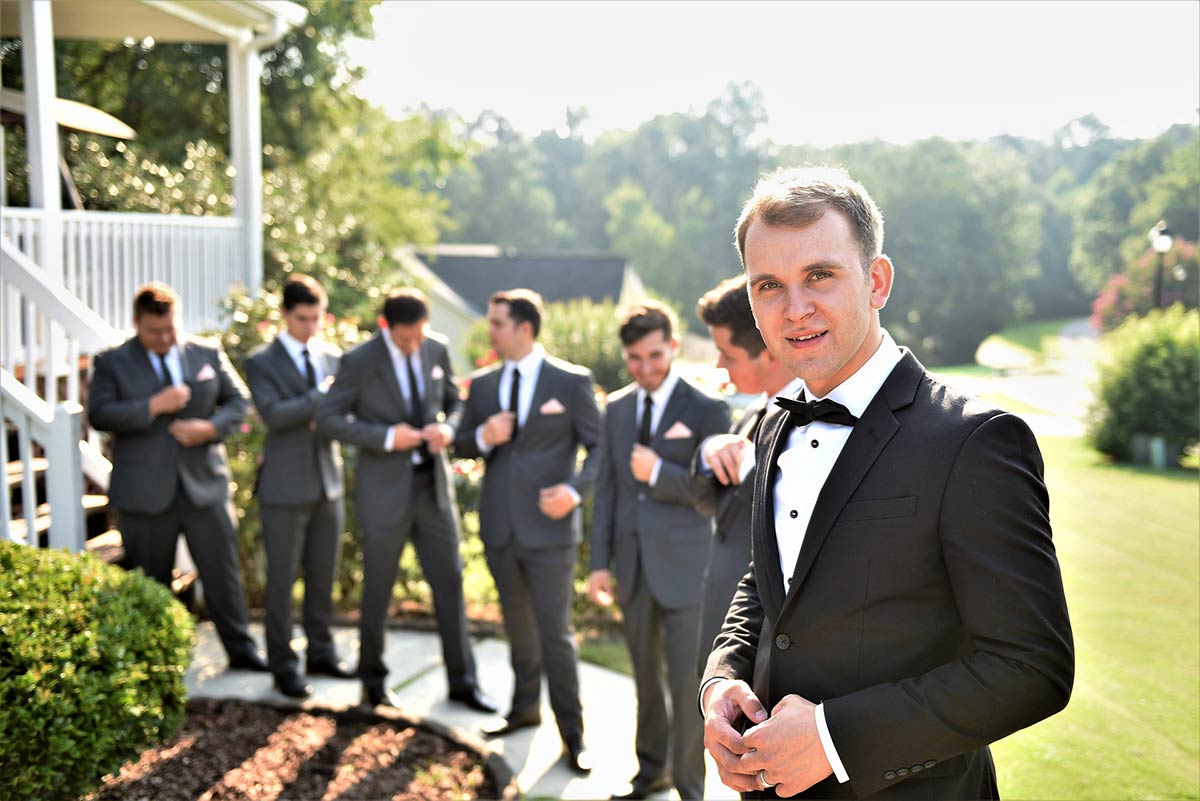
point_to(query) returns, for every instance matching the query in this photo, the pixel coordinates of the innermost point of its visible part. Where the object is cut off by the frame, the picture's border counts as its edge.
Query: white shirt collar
(857, 391)
(790, 390)
(661, 395)
(395, 352)
(530, 362)
(294, 346)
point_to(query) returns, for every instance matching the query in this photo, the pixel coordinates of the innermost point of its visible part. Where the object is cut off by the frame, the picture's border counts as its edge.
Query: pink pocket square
(552, 406)
(678, 431)
(207, 373)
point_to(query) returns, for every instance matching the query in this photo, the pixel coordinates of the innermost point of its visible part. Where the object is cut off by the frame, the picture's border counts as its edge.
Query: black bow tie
(801, 412)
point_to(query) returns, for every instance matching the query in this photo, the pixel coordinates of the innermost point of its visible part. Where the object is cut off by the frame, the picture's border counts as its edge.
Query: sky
(829, 72)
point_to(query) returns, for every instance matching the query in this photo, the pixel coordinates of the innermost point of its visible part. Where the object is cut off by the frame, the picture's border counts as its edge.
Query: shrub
(1132, 292)
(1150, 384)
(92, 661)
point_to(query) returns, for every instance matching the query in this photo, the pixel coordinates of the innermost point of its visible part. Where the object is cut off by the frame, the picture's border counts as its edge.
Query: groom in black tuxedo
(904, 606)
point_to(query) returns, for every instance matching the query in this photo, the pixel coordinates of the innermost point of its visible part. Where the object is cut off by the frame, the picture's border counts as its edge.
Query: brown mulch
(250, 752)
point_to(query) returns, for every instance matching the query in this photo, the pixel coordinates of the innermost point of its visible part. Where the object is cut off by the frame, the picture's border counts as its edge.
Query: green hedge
(92, 661)
(1150, 384)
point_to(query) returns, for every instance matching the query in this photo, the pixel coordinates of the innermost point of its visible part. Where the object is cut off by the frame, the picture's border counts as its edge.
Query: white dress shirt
(530, 367)
(398, 364)
(295, 348)
(804, 466)
(658, 402)
(173, 364)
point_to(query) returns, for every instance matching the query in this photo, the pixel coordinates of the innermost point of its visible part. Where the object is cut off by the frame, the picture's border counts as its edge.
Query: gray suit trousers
(536, 587)
(301, 536)
(678, 732)
(212, 540)
(434, 533)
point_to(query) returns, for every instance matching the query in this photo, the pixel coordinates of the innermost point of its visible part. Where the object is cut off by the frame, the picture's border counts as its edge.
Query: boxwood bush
(1150, 384)
(92, 660)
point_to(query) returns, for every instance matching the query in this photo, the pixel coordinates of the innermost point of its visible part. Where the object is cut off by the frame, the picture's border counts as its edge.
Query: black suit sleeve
(1002, 568)
(335, 411)
(465, 446)
(604, 510)
(705, 486)
(107, 410)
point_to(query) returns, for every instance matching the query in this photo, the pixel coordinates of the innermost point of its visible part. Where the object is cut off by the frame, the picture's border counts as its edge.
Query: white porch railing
(108, 255)
(56, 430)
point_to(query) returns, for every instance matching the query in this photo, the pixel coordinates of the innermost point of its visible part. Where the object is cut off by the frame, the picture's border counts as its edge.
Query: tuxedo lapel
(287, 368)
(623, 417)
(542, 392)
(387, 372)
(774, 432)
(427, 397)
(671, 412)
(152, 379)
(184, 367)
(871, 434)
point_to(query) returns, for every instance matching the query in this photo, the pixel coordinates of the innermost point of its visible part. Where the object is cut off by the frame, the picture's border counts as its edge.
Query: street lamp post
(1160, 240)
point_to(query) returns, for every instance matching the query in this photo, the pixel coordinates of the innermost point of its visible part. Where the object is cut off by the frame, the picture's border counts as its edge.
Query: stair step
(108, 547)
(14, 472)
(19, 528)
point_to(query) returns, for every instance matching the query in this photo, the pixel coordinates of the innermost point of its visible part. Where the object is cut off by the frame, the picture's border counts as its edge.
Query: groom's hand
(724, 702)
(787, 748)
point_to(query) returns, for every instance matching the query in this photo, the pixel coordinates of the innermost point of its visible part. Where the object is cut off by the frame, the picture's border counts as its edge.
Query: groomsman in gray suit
(527, 417)
(395, 399)
(723, 466)
(646, 529)
(299, 485)
(169, 400)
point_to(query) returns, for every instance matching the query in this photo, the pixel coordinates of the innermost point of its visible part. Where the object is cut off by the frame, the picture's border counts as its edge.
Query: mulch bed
(253, 752)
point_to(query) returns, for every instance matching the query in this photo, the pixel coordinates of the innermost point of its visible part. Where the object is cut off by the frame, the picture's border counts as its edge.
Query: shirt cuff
(654, 473)
(835, 762)
(484, 448)
(703, 687)
(705, 467)
(387, 440)
(575, 494)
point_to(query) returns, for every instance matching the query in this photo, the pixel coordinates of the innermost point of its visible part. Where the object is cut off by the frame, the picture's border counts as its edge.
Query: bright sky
(829, 72)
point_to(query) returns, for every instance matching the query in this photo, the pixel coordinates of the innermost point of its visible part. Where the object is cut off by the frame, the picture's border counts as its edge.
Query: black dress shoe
(329, 667)
(378, 695)
(476, 699)
(577, 757)
(292, 685)
(249, 662)
(514, 722)
(641, 788)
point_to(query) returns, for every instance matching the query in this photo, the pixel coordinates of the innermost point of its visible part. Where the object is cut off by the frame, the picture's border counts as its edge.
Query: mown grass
(1129, 543)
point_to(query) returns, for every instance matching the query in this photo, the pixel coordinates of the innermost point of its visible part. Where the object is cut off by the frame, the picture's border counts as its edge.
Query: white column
(245, 134)
(64, 479)
(37, 60)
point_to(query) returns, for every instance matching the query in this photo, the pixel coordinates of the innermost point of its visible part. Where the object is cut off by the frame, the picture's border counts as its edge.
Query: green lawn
(1029, 342)
(1129, 543)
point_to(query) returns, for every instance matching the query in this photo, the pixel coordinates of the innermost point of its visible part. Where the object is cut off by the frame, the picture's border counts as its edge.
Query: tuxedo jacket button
(902, 772)
(930, 763)
(889, 776)
(916, 768)
(783, 642)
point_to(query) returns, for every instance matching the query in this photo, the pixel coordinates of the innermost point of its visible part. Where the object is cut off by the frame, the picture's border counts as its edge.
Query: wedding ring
(762, 778)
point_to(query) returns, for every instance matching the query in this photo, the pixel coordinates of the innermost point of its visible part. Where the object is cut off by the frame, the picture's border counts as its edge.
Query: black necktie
(514, 401)
(168, 380)
(801, 412)
(309, 373)
(643, 436)
(414, 394)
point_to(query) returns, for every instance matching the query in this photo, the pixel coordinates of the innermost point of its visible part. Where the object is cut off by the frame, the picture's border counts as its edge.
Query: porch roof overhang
(164, 20)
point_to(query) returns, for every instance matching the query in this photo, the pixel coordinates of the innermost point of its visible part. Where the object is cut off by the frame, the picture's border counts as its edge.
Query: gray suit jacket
(365, 401)
(544, 453)
(300, 466)
(148, 463)
(729, 506)
(655, 530)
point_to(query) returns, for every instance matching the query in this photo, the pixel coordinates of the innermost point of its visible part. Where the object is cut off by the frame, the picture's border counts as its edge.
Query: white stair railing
(56, 430)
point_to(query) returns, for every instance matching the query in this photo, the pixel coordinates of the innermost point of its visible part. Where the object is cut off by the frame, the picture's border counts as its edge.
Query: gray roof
(555, 276)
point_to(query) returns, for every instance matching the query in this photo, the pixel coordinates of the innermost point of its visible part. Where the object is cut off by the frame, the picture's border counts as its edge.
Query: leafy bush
(92, 660)
(1150, 384)
(578, 331)
(1132, 292)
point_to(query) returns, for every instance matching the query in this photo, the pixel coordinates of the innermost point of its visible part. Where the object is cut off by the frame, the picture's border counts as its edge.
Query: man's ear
(880, 275)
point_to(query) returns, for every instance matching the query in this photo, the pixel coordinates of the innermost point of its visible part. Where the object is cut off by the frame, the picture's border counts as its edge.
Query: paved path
(414, 661)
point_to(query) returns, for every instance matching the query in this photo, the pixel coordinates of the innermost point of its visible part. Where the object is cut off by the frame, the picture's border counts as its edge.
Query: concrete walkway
(416, 674)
